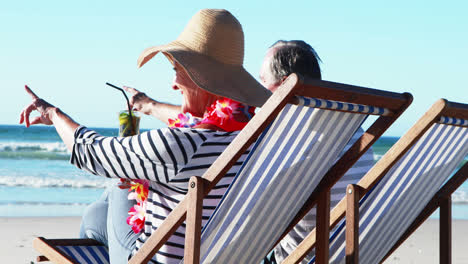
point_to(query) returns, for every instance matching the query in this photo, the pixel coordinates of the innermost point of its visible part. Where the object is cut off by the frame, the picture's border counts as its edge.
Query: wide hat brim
(231, 81)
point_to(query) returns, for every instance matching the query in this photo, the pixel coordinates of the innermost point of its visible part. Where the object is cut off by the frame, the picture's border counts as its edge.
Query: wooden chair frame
(349, 205)
(190, 207)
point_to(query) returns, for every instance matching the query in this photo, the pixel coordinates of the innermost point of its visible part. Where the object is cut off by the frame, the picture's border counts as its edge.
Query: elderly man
(286, 57)
(282, 59)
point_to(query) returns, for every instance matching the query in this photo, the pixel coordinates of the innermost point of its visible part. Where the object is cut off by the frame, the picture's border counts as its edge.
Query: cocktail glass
(126, 127)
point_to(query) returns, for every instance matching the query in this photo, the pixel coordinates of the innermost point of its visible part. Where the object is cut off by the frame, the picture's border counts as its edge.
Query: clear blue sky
(67, 50)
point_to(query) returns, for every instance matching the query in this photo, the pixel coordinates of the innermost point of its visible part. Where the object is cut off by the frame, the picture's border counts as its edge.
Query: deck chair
(301, 131)
(399, 192)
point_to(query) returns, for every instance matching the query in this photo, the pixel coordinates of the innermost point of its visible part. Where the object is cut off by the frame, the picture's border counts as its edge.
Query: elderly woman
(218, 100)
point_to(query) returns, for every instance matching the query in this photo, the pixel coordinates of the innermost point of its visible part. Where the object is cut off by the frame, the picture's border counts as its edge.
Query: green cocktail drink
(128, 126)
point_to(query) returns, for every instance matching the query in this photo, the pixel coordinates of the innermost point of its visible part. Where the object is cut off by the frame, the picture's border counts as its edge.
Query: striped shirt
(167, 158)
(337, 192)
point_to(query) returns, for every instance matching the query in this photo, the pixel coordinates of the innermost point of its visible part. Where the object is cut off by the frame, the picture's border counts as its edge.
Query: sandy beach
(18, 233)
(423, 245)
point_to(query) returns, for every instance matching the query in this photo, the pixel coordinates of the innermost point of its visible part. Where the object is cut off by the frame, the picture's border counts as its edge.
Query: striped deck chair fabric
(286, 164)
(388, 209)
(87, 254)
(337, 192)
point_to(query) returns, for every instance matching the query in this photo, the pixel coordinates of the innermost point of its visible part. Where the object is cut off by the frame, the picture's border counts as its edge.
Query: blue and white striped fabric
(302, 229)
(87, 254)
(453, 121)
(403, 192)
(329, 104)
(285, 166)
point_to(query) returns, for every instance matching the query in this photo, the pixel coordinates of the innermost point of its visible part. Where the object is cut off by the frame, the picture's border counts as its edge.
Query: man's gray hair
(294, 56)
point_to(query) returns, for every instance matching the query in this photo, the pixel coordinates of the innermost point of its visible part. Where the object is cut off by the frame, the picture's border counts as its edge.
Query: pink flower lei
(221, 114)
(138, 191)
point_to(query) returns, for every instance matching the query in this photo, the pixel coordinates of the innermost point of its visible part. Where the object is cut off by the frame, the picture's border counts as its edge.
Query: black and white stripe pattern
(403, 192)
(307, 224)
(286, 165)
(166, 157)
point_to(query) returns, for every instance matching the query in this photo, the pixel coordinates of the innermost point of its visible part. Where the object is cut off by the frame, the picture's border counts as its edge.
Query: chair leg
(445, 230)
(323, 228)
(194, 221)
(352, 224)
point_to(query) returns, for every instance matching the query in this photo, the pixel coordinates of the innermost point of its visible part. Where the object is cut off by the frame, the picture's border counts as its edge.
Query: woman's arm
(154, 155)
(142, 103)
(49, 115)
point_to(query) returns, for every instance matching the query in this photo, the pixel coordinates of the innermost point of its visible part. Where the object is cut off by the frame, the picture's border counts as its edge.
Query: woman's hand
(50, 115)
(44, 108)
(140, 101)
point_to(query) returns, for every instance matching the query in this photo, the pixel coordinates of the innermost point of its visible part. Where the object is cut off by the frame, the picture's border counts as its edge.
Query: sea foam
(37, 182)
(33, 146)
(460, 197)
(34, 150)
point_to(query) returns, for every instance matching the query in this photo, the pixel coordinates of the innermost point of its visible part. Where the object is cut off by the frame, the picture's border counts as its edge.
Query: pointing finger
(30, 92)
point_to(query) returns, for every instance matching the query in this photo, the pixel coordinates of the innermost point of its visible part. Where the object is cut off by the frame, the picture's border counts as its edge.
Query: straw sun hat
(211, 50)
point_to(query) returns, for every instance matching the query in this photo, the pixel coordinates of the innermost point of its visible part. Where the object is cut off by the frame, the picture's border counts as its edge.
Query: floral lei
(221, 114)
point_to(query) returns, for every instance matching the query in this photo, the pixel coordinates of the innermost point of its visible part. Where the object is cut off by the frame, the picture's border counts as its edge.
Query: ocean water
(36, 178)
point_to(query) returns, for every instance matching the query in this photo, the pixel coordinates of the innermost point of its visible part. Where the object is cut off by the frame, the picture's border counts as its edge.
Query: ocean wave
(35, 182)
(34, 150)
(460, 197)
(378, 156)
(33, 146)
